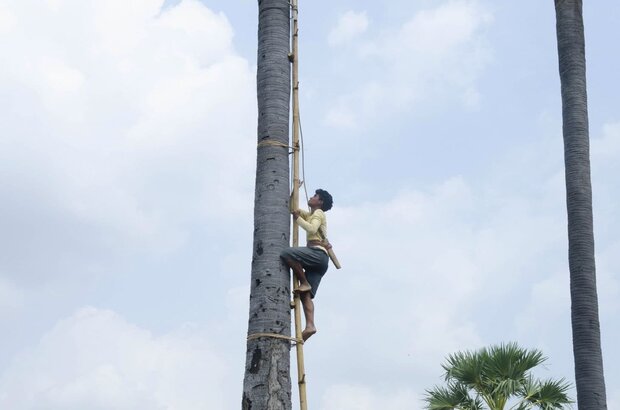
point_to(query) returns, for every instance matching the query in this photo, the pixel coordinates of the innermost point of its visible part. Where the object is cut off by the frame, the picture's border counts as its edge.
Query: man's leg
(308, 304)
(304, 285)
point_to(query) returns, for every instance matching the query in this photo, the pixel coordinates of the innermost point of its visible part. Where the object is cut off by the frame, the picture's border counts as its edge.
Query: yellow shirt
(313, 223)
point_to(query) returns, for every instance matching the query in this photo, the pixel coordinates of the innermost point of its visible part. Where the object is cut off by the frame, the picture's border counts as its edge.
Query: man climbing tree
(310, 262)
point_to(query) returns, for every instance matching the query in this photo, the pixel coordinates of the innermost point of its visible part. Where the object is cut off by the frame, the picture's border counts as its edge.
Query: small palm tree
(493, 376)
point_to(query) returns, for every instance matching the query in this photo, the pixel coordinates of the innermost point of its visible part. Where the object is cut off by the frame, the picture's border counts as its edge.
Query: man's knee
(285, 254)
(288, 261)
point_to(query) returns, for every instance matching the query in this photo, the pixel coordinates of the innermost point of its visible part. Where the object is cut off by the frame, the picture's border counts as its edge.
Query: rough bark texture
(589, 376)
(267, 383)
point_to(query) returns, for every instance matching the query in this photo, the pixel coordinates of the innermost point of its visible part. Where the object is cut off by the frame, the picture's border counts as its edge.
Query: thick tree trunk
(584, 301)
(267, 383)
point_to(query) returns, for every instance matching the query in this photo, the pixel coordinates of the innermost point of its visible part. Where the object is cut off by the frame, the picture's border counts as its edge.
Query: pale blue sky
(127, 164)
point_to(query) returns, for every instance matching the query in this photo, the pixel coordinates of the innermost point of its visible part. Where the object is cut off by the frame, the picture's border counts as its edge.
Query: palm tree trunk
(584, 301)
(267, 383)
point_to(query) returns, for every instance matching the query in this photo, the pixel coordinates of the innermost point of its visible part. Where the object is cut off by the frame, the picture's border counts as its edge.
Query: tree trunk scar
(246, 403)
(255, 365)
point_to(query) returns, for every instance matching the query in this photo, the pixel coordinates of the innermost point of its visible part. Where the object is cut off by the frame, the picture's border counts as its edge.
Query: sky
(127, 161)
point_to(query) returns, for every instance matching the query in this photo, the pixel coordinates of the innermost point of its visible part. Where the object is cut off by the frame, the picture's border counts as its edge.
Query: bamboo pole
(301, 376)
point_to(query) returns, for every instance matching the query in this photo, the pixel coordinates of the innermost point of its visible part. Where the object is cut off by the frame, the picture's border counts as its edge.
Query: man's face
(315, 201)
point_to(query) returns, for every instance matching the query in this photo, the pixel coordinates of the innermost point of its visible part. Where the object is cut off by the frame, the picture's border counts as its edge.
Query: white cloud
(440, 31)
(11, 297)
(551, 296)
(7, 19)
(413, 274)
(359, 397)
(605, 151)
(454, 266)
(350, 26)
(123, 132)
(141, 131)
(60, 77)
(95, 359)
(435, 56)
(341, 116)
(613, 398)
(429, 241)
(128, 131)
(367, 100)
(608, 146)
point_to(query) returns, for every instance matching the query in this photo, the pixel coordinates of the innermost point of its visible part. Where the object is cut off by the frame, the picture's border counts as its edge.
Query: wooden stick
(334, 259)
(301, 376)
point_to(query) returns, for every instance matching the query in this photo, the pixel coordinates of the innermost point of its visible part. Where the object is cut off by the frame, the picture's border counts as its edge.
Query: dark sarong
(313, 260)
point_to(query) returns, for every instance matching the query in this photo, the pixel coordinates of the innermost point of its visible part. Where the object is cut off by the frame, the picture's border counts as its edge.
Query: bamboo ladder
(294, 57)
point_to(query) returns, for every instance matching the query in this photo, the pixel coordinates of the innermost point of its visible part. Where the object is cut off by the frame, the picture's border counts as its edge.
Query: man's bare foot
(303, 288)
(308, 331)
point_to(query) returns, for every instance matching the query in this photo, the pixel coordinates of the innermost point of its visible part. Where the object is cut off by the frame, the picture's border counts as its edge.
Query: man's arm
(313, 225)
(296, 212)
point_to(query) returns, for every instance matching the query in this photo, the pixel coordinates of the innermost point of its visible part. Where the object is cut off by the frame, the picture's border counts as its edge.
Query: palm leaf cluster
(488, 378)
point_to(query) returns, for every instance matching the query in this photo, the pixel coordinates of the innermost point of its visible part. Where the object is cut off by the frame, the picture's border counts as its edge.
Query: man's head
(326, 199)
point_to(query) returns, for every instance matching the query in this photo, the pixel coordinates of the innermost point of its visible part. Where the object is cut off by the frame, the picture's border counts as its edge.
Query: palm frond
(454, 396)
(465, 367)
(506, 387)
(494, 375)
(509, 361)
(546, 395)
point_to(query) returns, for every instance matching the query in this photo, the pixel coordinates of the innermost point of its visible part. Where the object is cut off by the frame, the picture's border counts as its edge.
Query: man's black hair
(327, 199)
